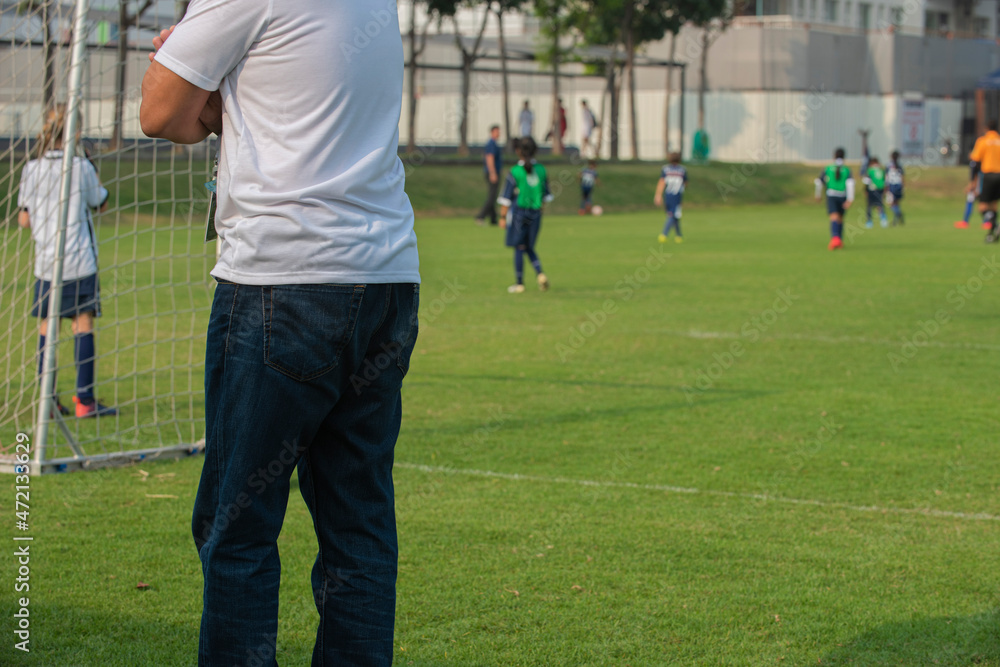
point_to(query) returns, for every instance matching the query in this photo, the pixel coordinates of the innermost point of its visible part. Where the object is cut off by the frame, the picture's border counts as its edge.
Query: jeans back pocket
(307, 327)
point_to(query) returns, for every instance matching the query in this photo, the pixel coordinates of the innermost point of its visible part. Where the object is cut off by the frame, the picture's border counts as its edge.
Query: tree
(125, 20)
(713, 19)
(500, 8)
(417, 45)
(643, 21)
(448, 8)
(558, 20)
(679, 12)
(630, 24)
(44, 10)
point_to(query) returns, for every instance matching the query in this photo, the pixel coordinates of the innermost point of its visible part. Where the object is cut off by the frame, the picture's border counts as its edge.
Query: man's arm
(491, 167)
(175, 109)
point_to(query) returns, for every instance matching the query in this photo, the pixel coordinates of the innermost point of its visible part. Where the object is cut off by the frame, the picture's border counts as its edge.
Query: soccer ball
(597, 210)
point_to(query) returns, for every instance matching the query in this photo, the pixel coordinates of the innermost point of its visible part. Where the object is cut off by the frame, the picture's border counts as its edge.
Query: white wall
(743, 126)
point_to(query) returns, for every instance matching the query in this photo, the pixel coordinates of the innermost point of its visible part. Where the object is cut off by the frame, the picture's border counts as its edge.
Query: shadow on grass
(69, 636)
(945, 640)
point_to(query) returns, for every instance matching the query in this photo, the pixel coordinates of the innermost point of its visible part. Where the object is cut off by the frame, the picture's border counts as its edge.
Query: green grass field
(740, 450)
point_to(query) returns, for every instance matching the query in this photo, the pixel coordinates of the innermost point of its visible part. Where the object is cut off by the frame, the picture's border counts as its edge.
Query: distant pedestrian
(559, 124)
(526, 121)
(589, 123)
(492, 165)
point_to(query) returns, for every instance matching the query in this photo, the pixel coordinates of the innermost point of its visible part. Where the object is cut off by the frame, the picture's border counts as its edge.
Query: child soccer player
(836, 178)
(894, 177)
(874, 179)
(970, 198)
(588, 179)
(526, 190)
(38, 201)
(669, 193)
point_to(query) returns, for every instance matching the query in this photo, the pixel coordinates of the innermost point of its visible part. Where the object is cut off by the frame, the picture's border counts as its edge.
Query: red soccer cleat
(961, 224)
(835, 243)
(987, 226)
(92, 409)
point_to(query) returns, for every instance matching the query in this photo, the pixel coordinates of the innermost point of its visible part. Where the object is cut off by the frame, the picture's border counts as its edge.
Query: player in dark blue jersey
(588, 179)
(894, 178)
(669, 193)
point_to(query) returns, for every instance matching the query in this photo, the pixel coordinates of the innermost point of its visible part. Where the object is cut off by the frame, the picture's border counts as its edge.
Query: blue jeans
(306, 376)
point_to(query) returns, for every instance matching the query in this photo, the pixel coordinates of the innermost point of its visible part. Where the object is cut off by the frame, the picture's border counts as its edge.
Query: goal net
(155, 288)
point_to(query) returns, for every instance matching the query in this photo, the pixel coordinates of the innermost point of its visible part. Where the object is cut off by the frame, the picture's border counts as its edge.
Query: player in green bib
(839, 184)
(874, 178)
(526, 190)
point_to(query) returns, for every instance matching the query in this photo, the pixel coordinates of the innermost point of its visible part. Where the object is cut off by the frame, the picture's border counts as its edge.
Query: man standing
(492, 164)
(315, 312)
(985, 159)
(526, 121)
(589, 123)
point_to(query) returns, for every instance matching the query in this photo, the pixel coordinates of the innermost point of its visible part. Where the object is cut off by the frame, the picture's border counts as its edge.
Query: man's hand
(493, 177)
(159, 39)
(173, 108)
(970, 188)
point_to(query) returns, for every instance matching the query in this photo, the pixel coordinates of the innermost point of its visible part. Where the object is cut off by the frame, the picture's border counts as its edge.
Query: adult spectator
(526, 121)
(492, 164)
(315, 311)
(589, 123)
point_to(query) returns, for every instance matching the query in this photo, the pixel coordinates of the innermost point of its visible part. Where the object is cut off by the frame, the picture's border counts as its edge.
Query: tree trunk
(49, 85)
(669, 90)
(703, 76)
(616, 88)
(604, 109)
(503, 73)
(630, 68)
(121, 73)
(411, 141)
(463, 125)
(557, 142)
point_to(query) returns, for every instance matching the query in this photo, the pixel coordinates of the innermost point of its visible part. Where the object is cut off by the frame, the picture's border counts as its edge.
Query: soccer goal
(154, 283)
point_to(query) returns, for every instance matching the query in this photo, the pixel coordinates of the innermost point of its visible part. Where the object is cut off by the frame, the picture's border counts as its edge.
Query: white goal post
(154, 283)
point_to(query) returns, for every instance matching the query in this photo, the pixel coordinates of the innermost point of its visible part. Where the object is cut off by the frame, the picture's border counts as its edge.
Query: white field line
(708, 492)
(824, 339)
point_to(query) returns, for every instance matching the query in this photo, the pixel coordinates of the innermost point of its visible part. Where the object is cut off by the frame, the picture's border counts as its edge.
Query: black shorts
(78, 296)
(989, 188)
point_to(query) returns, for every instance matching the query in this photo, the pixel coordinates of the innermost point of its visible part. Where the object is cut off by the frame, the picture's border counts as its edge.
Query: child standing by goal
(38, 203)
(526, 190)
(669, 193)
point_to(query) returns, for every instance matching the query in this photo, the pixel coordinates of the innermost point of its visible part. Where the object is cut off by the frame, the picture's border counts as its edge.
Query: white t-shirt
(41, 185)
(310, 188)
(527, 119)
